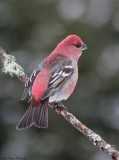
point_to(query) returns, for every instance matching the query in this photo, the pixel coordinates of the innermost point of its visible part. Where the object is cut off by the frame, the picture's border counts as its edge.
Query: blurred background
(30, 30)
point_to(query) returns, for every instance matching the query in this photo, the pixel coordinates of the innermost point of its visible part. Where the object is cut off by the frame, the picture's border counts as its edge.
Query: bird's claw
(58, 106)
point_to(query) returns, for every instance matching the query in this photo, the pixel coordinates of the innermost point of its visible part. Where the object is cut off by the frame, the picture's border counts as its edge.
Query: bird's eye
(78, 45)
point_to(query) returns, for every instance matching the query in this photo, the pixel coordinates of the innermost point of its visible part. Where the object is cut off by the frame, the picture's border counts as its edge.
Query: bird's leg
(57, 106)
(60, 106)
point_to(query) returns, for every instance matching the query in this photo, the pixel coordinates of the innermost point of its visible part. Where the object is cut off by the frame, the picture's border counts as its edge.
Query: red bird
(52, 81)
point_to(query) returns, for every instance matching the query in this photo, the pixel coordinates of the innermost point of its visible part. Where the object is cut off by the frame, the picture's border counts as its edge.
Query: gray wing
(61, 71)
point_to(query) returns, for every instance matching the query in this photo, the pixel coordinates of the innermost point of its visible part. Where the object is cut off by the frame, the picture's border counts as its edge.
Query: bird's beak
(83, 46)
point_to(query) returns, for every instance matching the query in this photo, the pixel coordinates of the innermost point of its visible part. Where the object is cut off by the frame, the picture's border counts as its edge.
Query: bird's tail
(37, 116)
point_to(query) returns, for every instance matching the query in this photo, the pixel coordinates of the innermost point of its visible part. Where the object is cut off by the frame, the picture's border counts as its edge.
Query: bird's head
(72, 45)
(74, 40)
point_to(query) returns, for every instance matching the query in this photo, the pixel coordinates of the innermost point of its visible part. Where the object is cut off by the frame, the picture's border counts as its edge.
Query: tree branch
(10, 66)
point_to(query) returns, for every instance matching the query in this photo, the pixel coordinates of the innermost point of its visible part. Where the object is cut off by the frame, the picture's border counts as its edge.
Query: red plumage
(52, 81)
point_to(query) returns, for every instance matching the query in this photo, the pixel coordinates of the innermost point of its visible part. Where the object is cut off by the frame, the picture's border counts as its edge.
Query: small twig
(10, 66)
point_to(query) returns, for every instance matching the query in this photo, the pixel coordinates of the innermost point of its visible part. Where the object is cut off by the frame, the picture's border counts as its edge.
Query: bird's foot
(58, 106)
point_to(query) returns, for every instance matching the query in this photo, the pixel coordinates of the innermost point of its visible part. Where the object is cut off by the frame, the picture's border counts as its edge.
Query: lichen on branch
(10, 66)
